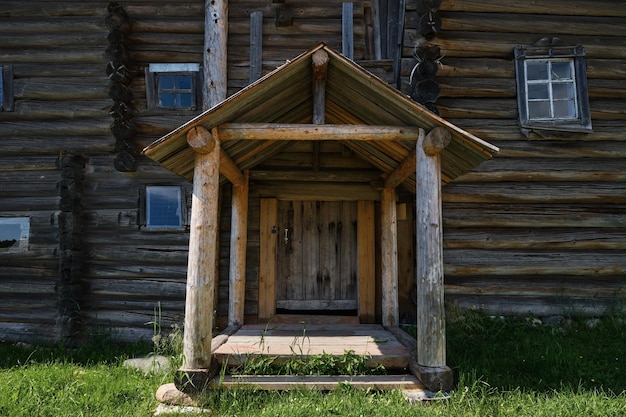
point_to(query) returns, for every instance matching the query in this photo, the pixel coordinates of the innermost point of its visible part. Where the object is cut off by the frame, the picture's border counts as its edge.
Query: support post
(389, 257)
(196, 371)
(431, 331)
(319, 61)
(215, 49)
(238, 243)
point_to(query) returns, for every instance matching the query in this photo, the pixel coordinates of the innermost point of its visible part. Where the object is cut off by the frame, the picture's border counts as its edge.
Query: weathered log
(201, 277)
(429, 25)
(320, 68)
(426, 91)
(238, 245)
(431, 338)
(215, 52)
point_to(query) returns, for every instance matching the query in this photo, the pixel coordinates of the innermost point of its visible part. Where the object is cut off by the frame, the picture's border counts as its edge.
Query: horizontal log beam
(280, 131)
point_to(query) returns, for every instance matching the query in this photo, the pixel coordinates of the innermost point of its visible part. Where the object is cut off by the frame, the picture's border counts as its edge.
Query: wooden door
(316, 257)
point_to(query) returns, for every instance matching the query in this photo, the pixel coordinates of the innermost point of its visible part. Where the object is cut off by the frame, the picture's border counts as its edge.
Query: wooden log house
(537, 229)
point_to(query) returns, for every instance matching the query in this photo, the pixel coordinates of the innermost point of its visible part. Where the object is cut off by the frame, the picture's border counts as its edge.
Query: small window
(14, 234)
(173, 86)
(6, 88)
(552, 89)
(164, 208)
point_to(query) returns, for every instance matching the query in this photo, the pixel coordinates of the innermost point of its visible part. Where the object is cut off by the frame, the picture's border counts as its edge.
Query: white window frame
(550, 84)
(21, 244)
(150, 222)
(549, 54)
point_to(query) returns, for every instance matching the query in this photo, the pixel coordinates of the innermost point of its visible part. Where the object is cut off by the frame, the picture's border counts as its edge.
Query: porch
(282, 341)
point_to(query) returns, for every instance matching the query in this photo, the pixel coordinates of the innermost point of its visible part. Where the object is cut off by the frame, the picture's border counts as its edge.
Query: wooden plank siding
(538, 228)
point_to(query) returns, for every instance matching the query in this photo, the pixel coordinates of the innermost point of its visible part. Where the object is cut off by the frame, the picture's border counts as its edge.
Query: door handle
(286, 236)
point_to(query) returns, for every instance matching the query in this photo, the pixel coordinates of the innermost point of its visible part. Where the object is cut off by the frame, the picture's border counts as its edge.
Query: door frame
(366, 262)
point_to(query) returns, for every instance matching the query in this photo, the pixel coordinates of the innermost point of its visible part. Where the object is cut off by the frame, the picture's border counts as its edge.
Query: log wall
(540, 227)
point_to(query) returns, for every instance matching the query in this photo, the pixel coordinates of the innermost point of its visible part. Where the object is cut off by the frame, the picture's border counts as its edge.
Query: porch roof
(353, 97)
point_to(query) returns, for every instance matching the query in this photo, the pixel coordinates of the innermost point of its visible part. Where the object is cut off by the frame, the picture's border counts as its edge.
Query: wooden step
(284, 341)
(324, 382)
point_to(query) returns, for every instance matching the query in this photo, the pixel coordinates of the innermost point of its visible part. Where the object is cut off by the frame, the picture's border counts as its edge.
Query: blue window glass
(175, 91)
(163, 206)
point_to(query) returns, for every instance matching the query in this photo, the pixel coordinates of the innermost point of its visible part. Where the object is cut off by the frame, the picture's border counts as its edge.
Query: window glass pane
(561, 70)
(163, 206)
(538, 92)
(14, 233)
(565, 109)
(563, 91)
(539, 110)
(166, 100)
(537, 70)
(166, 82)
(183, 100)
(183, 82)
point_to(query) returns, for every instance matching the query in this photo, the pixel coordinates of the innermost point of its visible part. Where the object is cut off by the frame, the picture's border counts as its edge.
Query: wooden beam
(282, 131)
(347, 30)
(267, 261)
(230, 170)
(319, 61)
(431, 332)
(311, 191)
(238, 245)
(403, 171)
(201, 271)
(215, 52)
(389, 257)
(366, 263)
(203, 141)
(256, 45)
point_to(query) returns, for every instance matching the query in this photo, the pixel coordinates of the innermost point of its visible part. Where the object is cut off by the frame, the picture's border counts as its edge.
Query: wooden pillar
(389, 257)
(215, 52)
(203, 253)
(319, 62)
(238, 243)
(431, 331)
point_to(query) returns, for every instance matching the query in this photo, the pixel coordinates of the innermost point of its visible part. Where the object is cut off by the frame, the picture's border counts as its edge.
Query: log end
(436, 141)
(200, 139)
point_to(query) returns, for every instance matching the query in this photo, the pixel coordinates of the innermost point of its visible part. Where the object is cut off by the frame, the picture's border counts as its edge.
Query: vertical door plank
(366, 261)
(348, 250)
(310, 256)
(330, 221)
(267, 261)
(293, 246)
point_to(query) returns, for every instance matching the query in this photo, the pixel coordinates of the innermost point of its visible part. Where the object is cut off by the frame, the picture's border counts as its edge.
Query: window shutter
(7, 87)
(151, 93)
(141, 210)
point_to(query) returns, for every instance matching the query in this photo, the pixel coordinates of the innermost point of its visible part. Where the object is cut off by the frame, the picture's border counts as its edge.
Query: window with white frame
(164, 207)
(14, 233)
(552, 89)
(174, 86)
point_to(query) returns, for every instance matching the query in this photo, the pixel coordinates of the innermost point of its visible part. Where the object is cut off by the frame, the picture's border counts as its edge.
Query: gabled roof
(353, 97)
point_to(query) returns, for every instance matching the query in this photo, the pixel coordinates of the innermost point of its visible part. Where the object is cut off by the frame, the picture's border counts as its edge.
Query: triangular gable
(353, 97)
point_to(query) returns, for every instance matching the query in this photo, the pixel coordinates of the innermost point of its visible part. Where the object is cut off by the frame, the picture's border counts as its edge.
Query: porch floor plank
(282, 341)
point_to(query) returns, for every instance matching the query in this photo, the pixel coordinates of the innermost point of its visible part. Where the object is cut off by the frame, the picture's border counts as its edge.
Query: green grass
(503, 368)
